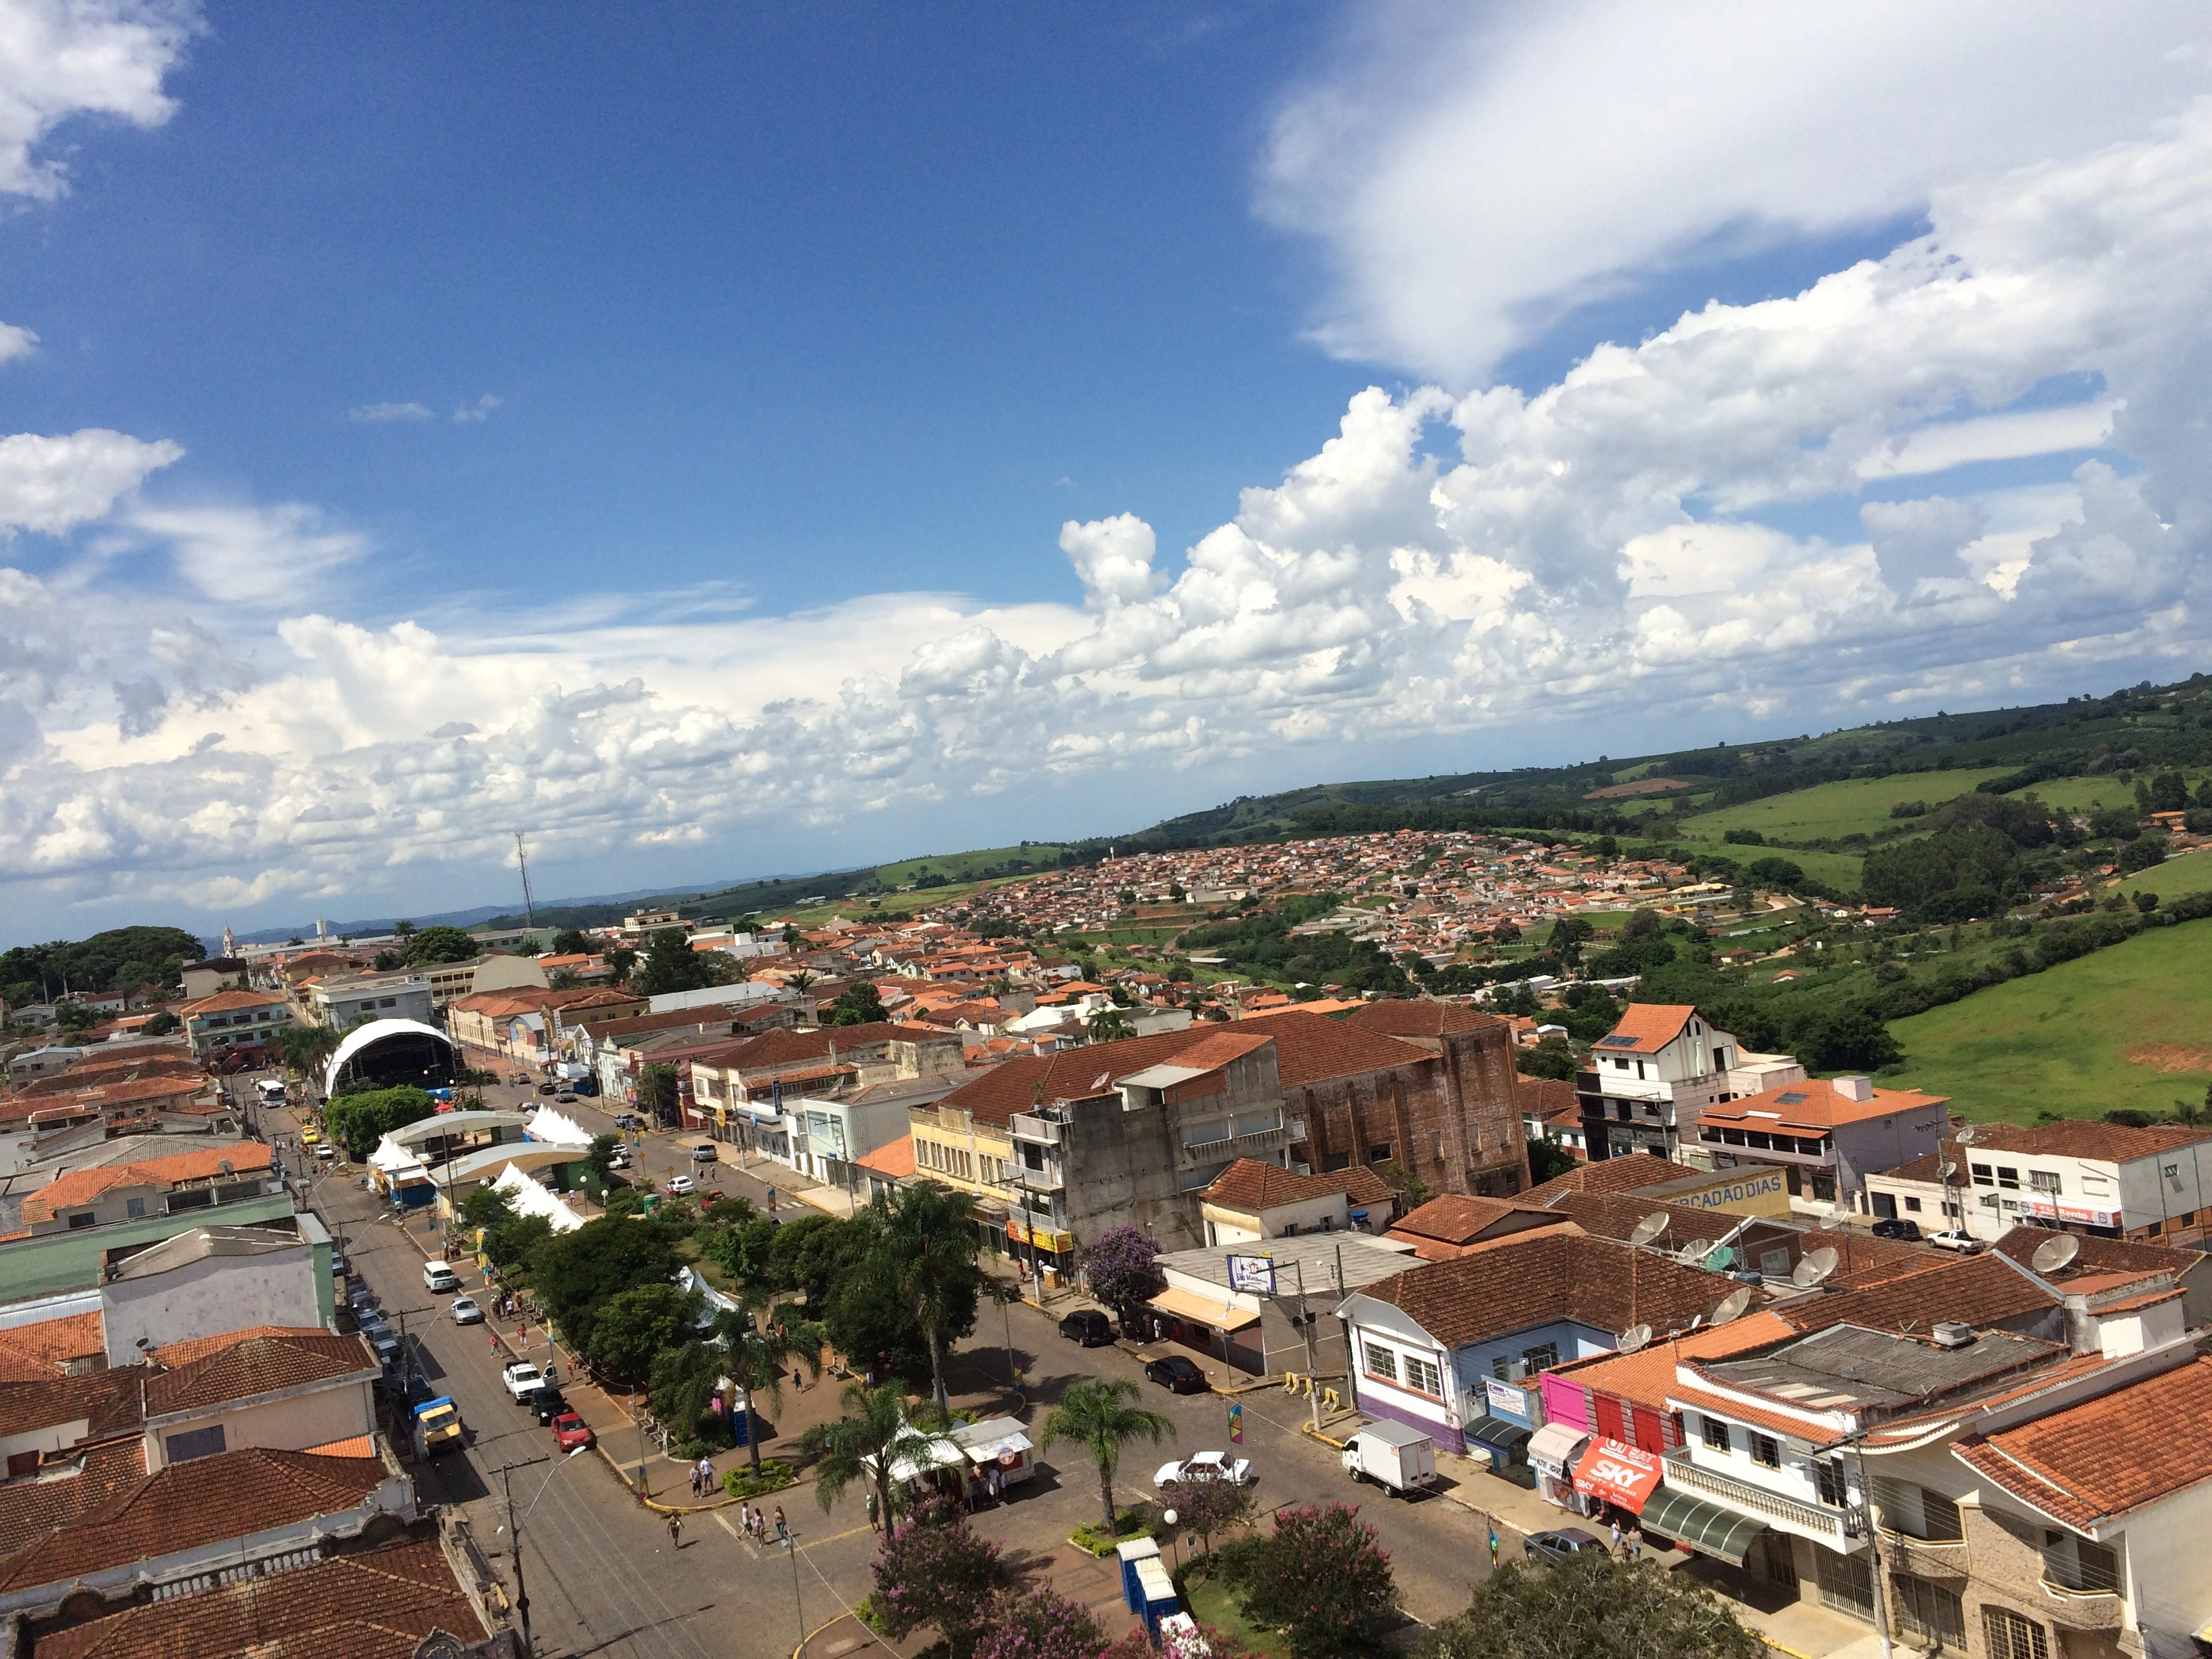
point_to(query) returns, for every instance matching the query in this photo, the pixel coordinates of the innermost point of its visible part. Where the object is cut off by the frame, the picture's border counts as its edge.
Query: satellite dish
(1733, 1305)
(1648, 1229)
(2055, 1253)
(1814, 1267)
(1946, 1168)
(1696, 1250)
(224, 1165)
(1635, 1337)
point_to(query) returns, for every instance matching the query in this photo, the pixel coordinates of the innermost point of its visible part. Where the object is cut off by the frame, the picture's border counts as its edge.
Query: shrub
(745, 1481)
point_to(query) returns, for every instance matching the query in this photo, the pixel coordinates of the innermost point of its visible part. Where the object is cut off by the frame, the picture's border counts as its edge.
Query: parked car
(628, 1121)
(1204, 1467)
(566, 1096)
(309, 1135)
(521, 1380)
(465, 1311)
(704, 1153)
(1897, 1227)
(548, 1087)
(1093, 1328)
(1563, 1546)
(570, 1432)
(619, 1159)
(438, 1277)
(546, 1403)
(680, 1184)
(1176, 1375)
(1952, 1239)
(326, 1153)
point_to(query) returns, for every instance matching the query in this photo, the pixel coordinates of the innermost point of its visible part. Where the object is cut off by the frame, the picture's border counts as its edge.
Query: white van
(439, 1277)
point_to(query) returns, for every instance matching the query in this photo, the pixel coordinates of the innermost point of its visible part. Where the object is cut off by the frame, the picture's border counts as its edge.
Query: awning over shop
(1618, 1473)
(1501, 1434)
(1553, 1448)
(1181, 1304)
(1706, 1527)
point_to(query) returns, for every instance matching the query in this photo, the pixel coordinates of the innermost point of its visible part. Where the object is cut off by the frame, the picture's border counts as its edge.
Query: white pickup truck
(522, 1379)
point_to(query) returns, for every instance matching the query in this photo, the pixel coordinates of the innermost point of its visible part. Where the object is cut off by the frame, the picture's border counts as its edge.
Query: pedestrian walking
(706, 1475)
(1616, 1535)
(874, 1523)
(676, 1531)
(1636, 1544)
(695, 1480)
(782, 1527)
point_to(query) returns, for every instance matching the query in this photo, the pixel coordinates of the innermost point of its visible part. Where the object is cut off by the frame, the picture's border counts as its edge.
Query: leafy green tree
(756, 1350)
(862, 1445)
(658, 1092)
(622, 961)
(570, 942)
(1322, 1579)
(160, 1023)
(1591, 1608)
(2169, 792)
(1551, 1058)
(631, 1329)
(357, 1122)
(308, 1049)
(1568, 936)
(576, 1273)
(74, 1016)
(1101, 1412)
(929, 1245)
(435, 944)
(562, 979)
(403, 930)
(670, 964)
(1548, 1159)
(858, 1004)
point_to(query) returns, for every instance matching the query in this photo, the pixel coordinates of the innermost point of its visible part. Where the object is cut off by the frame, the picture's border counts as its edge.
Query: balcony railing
(1823, 1525)
(1204, 1152)
(1027, 1126)
(1261, 1138)
(1036, 1181)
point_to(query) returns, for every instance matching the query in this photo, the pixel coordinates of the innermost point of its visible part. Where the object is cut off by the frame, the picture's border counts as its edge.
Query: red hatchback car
(570, 1432)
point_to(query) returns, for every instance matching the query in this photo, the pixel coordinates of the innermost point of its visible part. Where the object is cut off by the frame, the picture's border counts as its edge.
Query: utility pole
(522, 862)
(1305, 1329)
(514, 1543)
(1006, 1298)
(791, 1543)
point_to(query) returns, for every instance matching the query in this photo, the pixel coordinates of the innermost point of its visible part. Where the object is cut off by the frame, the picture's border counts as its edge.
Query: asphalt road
(604, 1579)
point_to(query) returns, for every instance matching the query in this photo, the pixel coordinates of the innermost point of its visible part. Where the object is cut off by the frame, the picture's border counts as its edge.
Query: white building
(1650, 1076)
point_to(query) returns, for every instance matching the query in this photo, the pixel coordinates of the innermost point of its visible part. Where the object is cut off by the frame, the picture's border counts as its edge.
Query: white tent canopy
(558, 1128)
(531, 1197)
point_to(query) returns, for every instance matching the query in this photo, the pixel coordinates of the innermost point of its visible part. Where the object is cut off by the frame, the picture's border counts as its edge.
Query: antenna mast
(522, 861)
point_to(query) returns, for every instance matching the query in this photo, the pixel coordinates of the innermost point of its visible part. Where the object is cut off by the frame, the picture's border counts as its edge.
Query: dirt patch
(1640, 787)
(2172, 1057)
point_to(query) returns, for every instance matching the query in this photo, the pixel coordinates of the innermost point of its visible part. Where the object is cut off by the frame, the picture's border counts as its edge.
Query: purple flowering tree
(1041, 1625)
(1120, 1271)
(1323, 1580)
(932, 1569)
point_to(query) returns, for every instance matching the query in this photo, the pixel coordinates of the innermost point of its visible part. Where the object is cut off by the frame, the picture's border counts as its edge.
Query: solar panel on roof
(1618, 1041)
(1793, 1097)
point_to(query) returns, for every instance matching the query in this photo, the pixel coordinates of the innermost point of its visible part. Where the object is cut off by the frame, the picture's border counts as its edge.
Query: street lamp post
(1169, 1516)
(514, 1534)
(791, 1543)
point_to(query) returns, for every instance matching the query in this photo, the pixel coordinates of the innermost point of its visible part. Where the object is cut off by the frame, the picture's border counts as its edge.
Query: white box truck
(1401, 1460)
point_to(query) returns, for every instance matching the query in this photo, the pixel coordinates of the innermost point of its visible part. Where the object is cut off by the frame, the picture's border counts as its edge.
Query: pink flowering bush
(1041, 1624)
(932, 1569)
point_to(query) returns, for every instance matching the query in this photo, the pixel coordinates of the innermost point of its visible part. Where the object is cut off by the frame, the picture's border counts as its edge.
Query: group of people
(765, 1529)
(1628, 1545)
(703, 1478)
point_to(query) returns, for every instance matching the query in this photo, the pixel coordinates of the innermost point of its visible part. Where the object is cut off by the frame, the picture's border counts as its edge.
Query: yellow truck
(437, 1427)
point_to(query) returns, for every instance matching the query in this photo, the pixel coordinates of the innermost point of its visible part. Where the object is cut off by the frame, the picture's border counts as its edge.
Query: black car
(1563, 1545)
(1089, 1327)
(548, 1404)
(1897, 1227)
(548, 1086)
(1176, 1375)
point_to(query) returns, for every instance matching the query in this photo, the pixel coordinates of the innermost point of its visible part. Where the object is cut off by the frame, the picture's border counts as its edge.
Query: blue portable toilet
(1136, 1550)
(1159, 1593)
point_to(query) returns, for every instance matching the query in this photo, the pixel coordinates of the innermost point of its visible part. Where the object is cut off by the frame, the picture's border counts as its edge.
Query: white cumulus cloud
(54, 484)
(60, 59)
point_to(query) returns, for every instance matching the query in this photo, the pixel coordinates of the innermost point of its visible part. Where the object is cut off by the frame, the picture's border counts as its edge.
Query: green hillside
(1829, 811)
(2131, 1026)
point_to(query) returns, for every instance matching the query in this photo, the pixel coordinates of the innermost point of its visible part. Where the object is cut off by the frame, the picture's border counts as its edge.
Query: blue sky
(726, 440)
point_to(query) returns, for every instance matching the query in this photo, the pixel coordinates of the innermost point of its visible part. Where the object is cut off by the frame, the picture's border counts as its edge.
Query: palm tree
(305, 1049)
(800, 981)
(1110, 1025)
(734, 1346)
(1101, 1413)
(863, 1444)
(930, 1233)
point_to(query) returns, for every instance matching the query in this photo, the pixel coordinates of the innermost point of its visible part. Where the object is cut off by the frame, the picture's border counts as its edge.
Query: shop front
(1219, 1330)
(1052, 1253)
(1554, 1451)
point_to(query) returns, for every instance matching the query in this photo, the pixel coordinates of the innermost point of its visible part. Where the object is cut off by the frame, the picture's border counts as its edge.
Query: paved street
(602, 1573)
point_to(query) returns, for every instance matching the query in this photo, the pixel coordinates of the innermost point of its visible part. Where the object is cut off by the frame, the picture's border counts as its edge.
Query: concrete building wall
(50, 1263)
(210, 1297)
(1453, 1121)
(315, 1418)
